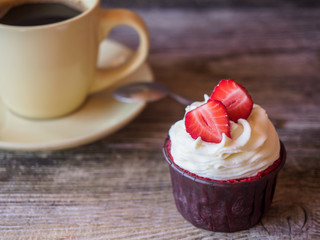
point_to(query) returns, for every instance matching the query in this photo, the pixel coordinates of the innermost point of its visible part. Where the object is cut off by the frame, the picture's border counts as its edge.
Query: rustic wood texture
(119, 187)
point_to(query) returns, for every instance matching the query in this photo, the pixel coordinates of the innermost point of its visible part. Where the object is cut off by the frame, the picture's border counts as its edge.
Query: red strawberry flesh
(208, 121)
(235, 97)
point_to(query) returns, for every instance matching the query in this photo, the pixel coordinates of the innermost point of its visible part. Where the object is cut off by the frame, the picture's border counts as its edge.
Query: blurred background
(210, 3)
(208, 40)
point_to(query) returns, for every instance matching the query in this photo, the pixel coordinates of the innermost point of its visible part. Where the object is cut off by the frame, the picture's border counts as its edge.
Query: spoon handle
(182, 100)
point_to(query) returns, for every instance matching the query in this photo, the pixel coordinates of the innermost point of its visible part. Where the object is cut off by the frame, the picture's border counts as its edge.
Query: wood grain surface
(119, 187)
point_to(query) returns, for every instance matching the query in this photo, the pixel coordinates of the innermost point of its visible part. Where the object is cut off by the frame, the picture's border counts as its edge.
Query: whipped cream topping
(254, 146)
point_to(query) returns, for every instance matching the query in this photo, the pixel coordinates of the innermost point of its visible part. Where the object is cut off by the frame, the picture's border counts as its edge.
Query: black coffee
(33, 14)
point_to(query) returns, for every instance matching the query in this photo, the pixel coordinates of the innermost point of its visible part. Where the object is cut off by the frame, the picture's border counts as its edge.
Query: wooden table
(119, 187)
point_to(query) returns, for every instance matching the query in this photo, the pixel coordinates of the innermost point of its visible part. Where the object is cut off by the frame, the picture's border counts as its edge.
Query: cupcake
(224, 157)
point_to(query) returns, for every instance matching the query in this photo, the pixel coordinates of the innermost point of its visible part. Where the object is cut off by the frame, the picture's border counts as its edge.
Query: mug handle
(110, 19)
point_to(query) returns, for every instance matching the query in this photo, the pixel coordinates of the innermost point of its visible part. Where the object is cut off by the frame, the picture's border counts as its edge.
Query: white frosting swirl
(254, 146)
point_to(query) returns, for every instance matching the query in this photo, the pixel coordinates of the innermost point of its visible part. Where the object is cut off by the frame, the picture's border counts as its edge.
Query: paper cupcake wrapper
(222, 206)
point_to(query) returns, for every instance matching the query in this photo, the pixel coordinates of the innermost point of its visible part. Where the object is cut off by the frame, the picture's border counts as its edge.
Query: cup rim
(51, 25)
(213, 182)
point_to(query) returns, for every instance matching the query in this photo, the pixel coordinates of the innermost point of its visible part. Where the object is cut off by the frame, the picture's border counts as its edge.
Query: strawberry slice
(235, 97)
(208, 121)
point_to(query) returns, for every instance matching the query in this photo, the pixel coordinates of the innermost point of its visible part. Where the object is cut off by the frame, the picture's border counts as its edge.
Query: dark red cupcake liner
(222, 206)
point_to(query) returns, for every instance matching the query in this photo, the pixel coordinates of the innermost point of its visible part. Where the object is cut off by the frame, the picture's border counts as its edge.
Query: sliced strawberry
(235, 97)
(208, 121)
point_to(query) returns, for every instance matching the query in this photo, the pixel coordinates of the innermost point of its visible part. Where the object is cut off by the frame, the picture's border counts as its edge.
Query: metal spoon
(147, 92)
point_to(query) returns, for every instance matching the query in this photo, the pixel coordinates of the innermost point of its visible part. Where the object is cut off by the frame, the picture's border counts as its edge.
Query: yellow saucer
(100, 116)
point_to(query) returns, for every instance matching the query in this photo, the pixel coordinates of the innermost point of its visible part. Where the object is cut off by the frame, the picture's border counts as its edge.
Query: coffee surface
(34, 14)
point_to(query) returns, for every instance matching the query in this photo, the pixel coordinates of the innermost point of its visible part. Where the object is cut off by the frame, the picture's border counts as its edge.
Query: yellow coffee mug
(48, 71)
